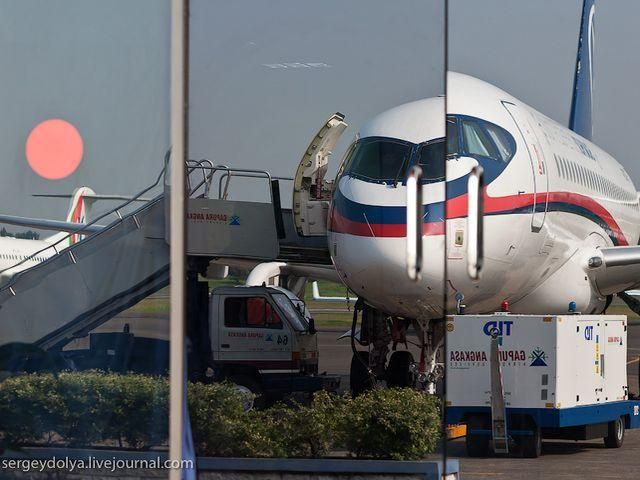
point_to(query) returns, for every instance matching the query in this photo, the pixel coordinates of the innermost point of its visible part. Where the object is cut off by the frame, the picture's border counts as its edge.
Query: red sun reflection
(54, 149)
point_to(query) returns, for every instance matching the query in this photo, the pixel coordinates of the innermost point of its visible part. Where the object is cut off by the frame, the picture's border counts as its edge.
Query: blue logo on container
(503, 327)
(234, 220)
(538, 358)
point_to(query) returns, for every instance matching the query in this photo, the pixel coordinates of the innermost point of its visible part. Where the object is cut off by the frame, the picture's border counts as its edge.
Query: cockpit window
(431, 159)
(502, 140)
(487, 140)
(477, 141)
(378, 159)
(453, 139)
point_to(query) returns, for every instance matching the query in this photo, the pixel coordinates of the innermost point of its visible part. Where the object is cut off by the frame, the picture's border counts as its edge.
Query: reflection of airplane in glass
(19, 254)
(562, 218)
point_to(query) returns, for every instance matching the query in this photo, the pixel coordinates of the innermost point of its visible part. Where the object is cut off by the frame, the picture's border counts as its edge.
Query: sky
(264, 75)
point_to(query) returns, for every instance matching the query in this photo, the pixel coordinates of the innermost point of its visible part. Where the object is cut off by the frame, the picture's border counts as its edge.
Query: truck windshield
(295, 318)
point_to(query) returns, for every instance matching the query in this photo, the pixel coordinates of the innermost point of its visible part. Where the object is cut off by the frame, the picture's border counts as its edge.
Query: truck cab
(263, 339)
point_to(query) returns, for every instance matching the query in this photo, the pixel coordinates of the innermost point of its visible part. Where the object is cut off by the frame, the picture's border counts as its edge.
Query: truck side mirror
(312, 326)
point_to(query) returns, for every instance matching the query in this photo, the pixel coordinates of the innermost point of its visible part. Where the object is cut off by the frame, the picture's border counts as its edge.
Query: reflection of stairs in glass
(92, 281)
(89, 282)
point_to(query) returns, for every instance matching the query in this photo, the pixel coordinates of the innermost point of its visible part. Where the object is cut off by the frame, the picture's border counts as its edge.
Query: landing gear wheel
(359, 377)
(532, 444)
(248, 384)
(616, 434)
(477, 444)
(398, 372)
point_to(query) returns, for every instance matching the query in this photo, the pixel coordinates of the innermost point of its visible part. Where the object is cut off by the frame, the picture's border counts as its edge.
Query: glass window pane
(84, 337)
(477, 141)
(265, 90)
(380, 160)
(430, 159)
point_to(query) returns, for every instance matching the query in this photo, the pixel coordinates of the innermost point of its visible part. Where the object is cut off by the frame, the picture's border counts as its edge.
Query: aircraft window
(431, 159)
(453, 139)
(477, 141)
(378, 159)
(502, 140)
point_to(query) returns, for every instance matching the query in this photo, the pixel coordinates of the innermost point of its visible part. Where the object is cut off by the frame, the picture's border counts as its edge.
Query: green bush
(221, 427)
(148, 399)
(89, 408)
(400, 424)
(84, 408)
(30, 409)
(307, 431)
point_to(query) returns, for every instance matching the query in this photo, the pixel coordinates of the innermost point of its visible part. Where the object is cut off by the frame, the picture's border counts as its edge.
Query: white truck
(514, 379)
(264, 339)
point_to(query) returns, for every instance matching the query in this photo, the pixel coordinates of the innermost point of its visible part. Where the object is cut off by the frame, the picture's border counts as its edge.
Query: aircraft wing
(45, 224)
(615, 269)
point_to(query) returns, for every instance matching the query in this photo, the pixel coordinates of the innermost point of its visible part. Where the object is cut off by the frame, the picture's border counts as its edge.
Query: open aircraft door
(524, 122)
(311, 192)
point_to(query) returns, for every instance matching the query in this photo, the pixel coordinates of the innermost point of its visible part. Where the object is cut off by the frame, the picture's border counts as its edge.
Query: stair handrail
(115, 210)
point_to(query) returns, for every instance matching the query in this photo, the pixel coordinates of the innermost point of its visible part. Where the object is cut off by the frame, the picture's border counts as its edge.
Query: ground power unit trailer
(515, 379)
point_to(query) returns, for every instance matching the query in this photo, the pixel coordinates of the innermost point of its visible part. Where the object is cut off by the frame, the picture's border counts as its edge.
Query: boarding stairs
(90, 282)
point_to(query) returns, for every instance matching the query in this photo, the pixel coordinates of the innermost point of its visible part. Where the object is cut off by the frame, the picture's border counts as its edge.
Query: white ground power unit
(561, 376)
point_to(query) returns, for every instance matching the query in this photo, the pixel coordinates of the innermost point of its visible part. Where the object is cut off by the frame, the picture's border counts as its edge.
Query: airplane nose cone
(368, 245)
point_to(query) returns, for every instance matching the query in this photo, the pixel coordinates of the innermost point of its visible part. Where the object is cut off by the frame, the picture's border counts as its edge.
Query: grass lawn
(326, 314)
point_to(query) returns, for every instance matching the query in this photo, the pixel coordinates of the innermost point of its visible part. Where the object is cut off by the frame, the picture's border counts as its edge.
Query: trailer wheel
(616, 434)
(477, 445)
(359, 377)
(398, 372)
(532, 444)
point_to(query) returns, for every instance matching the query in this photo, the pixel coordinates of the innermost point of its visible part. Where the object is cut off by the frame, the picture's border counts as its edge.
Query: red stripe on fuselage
(340, 224)
(457, 208)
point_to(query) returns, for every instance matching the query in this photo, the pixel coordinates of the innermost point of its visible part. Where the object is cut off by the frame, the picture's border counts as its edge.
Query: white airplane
(19, 254)
(561, 216)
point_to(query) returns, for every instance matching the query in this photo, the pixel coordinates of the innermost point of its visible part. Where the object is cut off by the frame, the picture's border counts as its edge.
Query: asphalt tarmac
(560, 459)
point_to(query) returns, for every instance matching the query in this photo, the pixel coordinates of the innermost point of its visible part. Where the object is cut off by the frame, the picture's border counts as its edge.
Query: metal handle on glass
(475, 220)
(414, 223)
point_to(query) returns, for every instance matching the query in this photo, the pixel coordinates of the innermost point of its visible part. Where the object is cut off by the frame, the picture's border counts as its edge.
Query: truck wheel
(532, 444)
(359, 378)
(250, 384)
(477, 444)
(398, 373)
(616, 434)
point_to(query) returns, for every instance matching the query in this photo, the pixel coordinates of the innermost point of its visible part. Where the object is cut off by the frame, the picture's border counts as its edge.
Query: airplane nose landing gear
(379, 332)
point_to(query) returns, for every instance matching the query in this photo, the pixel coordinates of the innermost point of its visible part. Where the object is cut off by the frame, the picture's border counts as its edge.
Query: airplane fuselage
(19, 254)
(551, 198)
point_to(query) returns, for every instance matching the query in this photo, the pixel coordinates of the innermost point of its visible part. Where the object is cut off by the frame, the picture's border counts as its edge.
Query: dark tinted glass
(453, 139)
(379, 159)
(430, 157)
